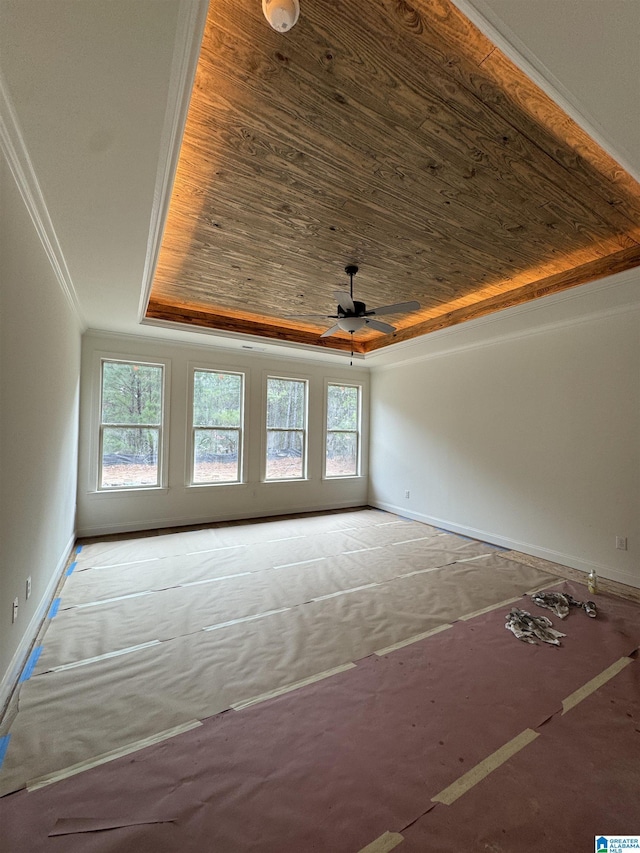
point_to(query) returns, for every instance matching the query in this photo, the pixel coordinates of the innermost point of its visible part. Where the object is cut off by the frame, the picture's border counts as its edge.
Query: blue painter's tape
(27, 672)
(71, 568)
(78, 549)
(55, 606)
(4, 743)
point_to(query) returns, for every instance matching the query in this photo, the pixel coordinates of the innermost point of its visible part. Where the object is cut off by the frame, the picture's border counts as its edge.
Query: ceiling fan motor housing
(359, 310)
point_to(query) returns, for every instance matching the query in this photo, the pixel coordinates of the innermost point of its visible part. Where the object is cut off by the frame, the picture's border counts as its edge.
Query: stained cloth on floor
(561, 602)
(529, 628)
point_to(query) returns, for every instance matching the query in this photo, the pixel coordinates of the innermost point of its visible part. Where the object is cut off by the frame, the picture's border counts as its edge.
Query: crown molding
(15, 151)
(245, 346)
(192, 16)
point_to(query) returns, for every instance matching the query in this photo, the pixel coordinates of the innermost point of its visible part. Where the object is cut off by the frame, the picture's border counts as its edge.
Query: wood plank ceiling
(389, 135)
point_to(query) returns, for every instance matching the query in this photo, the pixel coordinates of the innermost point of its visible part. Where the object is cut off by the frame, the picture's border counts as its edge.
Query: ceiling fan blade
(397, 308)
(344, 301)
(380, 327)
(330, 331)
(309, 316)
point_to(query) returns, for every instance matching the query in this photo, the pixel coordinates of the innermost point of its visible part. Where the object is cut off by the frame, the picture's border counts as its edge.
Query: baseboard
(10, 677)
(193, 521)
(559, 557)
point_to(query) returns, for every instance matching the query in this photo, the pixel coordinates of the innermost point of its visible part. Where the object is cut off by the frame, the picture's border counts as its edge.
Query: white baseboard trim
(563, 559)
(10, 677)
(192, 521)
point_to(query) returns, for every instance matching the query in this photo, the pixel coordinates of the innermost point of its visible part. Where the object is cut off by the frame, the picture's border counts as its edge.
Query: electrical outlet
(14, 615)
(407, 494)
(621, 543)
(29, 586)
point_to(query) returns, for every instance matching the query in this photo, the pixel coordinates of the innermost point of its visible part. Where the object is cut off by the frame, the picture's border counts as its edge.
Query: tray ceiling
(393, 136)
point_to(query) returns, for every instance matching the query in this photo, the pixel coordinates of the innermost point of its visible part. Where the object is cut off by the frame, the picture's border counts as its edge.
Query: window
(130, 424)
(342, 452)
(218, 402)
(286, 429)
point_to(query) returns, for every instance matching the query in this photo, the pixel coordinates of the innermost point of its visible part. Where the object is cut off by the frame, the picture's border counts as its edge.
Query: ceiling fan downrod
(351, 270)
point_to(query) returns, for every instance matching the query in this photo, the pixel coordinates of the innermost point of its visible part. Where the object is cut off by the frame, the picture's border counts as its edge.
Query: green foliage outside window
(342, 407)
(217, 422)
(343, 425)
(286, 424)
(217, 399)
(131, 416)
(131, 393)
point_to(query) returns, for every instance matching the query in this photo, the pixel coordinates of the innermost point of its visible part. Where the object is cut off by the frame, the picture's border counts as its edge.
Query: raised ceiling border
(192, 16)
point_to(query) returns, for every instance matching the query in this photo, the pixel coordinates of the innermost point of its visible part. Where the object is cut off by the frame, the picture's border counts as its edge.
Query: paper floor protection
(364, 755)
(115, 669)
(578, 781)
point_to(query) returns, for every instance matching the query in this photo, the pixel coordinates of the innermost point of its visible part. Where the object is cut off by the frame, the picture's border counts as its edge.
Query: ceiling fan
(353, 315)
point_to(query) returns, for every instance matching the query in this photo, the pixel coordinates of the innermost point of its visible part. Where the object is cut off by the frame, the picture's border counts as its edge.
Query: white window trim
(289, 377)
(359, 432)
(190, 428)
(95, 448)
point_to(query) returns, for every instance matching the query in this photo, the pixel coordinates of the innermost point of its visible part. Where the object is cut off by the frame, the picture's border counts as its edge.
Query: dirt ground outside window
(122, 475)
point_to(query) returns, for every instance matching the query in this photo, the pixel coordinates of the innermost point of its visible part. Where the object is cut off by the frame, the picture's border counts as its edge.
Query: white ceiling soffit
(93, 87)
(98, 91)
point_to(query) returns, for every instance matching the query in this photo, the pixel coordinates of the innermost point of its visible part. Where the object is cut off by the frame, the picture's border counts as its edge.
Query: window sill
(229, 484)
(332, 478)
(127, 490)
(286, 480)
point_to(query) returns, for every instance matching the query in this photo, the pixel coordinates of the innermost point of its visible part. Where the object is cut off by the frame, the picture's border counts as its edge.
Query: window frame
(358, 431)
(192, 428)
(304, 476)
(162, 427)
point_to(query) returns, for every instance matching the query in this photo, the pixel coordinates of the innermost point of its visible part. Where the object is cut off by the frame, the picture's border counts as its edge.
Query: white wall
(522, 429)
(39, 389)
(106, 512)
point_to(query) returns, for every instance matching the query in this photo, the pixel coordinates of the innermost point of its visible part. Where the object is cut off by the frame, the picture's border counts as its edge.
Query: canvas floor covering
(162, 635)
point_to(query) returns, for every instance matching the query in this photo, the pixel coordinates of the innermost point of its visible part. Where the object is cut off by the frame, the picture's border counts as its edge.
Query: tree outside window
(217, 427)
(130, 424)
(286, 429)
(342, 453)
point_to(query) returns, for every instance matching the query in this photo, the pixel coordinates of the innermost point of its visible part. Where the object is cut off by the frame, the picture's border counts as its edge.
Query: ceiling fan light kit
(281, 14)
(351, 324)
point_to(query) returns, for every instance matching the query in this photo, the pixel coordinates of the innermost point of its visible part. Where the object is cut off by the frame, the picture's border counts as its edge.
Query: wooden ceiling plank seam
(534, 232)
(541, 223)
(507, 83)
(397, 294)
(401, 198)
(560, 192)
(519, 78)
(170, 313)
(298, 273)
(330, 53)
(522, 83)
(380, 212)
(624, 260)
(278, 184)
(619, 189)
